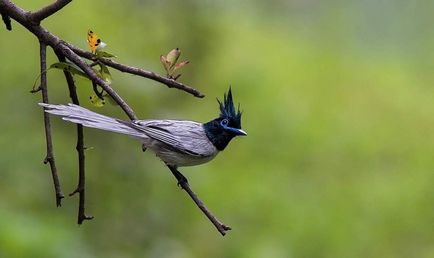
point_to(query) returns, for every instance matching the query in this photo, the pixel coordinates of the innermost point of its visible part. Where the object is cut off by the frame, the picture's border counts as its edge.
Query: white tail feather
(85, 117)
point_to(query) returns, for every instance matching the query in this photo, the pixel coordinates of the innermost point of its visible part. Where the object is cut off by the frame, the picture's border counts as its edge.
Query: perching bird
(177, 143)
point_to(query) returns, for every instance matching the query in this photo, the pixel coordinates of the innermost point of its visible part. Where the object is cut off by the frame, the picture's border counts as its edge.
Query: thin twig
(24, 18)
(95, 78)
(182, 181)
(50, 153)
(98, 93)
(169, 82)
(7, 21)
(222, 228)
(48, 10)
(81, 189)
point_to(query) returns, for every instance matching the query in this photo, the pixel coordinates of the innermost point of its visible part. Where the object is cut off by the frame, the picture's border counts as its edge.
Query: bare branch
(48, 10)
(68, 50)
(182, 181)
(50, 153)
(171, 83)
(68, 53)
(222, 228)
(81, 190)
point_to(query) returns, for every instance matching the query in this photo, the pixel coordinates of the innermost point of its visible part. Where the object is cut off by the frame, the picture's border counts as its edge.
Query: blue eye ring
(224, 122)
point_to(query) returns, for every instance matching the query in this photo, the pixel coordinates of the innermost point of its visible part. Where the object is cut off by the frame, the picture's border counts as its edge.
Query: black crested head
(221, 130)
(227, 110)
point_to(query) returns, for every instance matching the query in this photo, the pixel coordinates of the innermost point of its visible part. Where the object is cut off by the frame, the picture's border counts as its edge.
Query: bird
(178, 143)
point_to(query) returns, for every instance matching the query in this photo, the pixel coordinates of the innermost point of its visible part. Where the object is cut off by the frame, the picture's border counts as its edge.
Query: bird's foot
(182, 180)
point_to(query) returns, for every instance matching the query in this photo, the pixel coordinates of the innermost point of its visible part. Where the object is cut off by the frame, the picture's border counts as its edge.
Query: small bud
(180, 65)
(172, 56)
(165, 63)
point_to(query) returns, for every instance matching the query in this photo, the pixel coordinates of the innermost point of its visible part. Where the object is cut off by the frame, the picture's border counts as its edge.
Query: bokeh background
(338, 103)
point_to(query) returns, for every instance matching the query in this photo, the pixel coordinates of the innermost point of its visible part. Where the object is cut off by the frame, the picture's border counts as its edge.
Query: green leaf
(70, 68)
(97, 71)
(105, 73)
(96, 101)
(104, 54)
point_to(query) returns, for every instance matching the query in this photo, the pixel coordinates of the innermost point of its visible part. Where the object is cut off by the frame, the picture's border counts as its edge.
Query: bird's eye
(224, 122)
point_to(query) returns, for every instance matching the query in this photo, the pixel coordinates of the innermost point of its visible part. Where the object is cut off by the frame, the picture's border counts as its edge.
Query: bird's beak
(237, 131)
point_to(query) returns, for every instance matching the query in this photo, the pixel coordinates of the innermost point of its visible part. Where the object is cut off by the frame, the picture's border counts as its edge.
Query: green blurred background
(338, 103)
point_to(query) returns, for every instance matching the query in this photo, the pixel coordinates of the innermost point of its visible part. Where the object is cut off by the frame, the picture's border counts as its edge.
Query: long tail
(80, 115)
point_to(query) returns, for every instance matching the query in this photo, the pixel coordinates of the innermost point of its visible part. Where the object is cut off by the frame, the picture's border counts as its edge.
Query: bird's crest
(227, 109)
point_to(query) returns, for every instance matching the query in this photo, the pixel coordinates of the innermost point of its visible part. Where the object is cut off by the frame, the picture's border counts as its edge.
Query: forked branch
(49, 10)
(65, 51)
(49, 158)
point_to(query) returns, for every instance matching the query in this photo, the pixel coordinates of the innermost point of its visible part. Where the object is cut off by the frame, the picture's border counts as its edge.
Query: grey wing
(186, 136)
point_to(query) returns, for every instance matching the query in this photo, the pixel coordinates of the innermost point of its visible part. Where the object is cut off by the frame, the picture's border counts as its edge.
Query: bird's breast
(181, 159)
